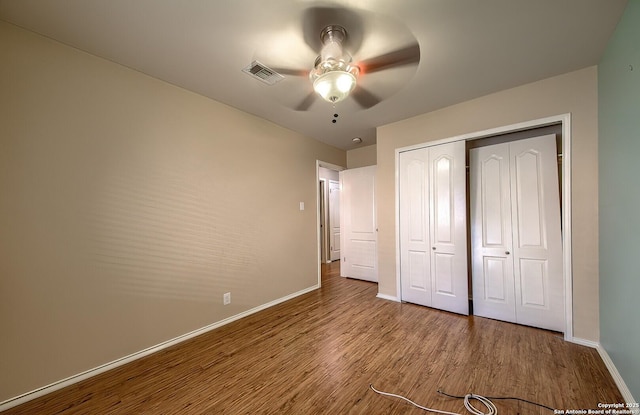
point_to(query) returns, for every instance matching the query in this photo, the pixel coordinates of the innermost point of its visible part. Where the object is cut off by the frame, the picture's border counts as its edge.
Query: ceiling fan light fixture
(333, 76)
(334, 86)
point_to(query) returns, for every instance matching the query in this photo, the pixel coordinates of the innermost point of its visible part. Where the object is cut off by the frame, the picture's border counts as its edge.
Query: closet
(433, 247)
(515, 233)
(490, 228)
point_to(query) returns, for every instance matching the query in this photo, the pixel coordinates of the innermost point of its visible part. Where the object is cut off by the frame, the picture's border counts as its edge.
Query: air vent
(261, 72)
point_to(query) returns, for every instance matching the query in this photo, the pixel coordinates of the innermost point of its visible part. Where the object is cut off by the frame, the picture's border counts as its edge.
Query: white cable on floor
(467, 404)
(487, 403)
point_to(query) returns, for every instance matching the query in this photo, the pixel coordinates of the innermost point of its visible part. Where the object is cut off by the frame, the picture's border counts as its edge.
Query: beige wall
(129, 206)
(362, 157)
(574, 93)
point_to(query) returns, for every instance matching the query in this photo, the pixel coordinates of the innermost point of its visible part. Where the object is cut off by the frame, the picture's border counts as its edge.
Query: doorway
(329, 199)
(328, 217)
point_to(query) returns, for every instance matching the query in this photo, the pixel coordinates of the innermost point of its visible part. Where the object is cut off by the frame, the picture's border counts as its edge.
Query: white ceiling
(468, 48)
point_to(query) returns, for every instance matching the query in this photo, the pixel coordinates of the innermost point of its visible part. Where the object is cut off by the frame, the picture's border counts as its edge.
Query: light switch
(301, 205)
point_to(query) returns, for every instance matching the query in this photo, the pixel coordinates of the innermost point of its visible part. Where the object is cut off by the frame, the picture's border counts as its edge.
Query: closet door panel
(418, 273)
(536, 233)
(443, 204)
(490, 210)
(534, 277)
(415, 245)
(528, 193)
(498, 281)
(448, 220)
(444, 274)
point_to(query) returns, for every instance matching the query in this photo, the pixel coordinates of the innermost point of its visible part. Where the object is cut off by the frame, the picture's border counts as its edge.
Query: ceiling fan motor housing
(332, 38)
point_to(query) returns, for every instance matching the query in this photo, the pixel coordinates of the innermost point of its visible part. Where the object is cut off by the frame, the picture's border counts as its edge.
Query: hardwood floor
(318, 354)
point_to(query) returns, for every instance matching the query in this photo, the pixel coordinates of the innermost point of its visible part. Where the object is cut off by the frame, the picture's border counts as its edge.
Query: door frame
(335, 167)
(329, 223)
(322, 188)
(567, 267)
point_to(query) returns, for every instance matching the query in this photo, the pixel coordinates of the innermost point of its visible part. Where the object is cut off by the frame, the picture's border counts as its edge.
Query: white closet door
(433, 261)
(415, 238)
(515, 233)
(448, 220)
(334, 220)
(537, 239)
(358, 227)
(490, 211)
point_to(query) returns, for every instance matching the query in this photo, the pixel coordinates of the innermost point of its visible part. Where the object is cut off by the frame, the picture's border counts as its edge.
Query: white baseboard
(584, 342)
(388, 297)
(624, 390)
(26, 397)
(622, 386)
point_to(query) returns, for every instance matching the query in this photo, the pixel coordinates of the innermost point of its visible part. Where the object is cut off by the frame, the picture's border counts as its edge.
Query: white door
(448, 218)
(415, 234)
(491, 243)
(525, 281)
(433, 247)
(358, 224)
(334, 220)
(537, 236)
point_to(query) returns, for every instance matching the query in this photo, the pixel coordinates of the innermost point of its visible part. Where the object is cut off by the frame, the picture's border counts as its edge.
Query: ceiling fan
(335, 75)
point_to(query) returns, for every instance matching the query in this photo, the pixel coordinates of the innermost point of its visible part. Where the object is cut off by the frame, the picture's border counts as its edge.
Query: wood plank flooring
(318, 354)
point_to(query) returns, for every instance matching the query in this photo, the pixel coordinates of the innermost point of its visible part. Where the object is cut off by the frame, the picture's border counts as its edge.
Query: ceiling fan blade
(364, 98)
(400, 57)
(290, 71)
(307, 102)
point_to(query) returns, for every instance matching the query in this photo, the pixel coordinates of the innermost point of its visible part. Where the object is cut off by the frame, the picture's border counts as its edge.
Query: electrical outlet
(226, 298)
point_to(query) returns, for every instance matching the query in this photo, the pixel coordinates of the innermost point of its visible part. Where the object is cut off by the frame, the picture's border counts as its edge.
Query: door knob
(434, 248)
(506, 252)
